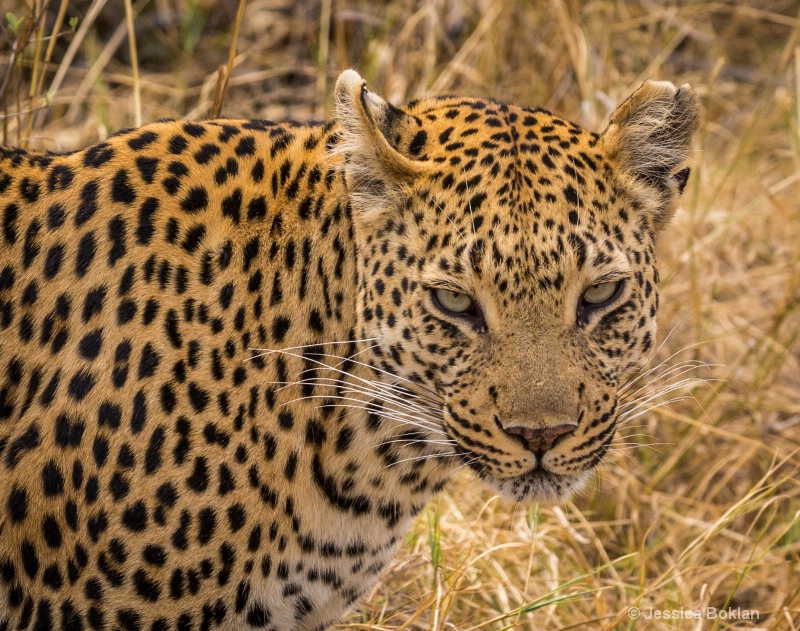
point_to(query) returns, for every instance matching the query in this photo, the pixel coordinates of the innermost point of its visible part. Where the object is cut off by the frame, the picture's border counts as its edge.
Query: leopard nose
(541, 439)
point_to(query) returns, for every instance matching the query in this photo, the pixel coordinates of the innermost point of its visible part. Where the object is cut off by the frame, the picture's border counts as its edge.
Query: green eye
(453, 301)
(601, 293)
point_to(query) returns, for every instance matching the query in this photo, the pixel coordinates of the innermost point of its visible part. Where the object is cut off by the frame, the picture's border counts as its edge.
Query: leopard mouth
(537, 484)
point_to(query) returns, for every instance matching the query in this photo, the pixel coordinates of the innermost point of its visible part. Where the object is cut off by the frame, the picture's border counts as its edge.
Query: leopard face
(508, 265)
(239, 357)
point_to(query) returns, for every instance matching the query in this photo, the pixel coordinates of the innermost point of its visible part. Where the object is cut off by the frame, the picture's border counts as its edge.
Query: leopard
(238, 357)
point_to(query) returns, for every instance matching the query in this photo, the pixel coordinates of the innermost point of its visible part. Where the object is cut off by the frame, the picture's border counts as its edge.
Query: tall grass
(699, 505)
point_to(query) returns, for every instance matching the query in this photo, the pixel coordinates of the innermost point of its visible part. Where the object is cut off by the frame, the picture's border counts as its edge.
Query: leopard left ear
(649, 136)
(374, 135)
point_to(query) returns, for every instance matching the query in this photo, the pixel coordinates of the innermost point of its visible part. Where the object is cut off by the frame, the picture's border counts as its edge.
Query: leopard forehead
(225, 390)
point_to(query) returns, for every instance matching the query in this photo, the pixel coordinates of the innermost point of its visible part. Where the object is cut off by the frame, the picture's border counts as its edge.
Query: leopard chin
(538, 485)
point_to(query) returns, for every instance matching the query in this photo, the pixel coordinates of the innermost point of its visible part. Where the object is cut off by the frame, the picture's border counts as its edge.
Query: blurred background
(699, 505)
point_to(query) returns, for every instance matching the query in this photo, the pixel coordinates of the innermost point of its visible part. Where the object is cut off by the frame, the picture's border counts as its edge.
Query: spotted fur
(226, 386)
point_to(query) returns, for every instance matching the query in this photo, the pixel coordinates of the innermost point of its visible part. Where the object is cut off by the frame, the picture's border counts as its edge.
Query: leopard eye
(453, 301)
(601, 293)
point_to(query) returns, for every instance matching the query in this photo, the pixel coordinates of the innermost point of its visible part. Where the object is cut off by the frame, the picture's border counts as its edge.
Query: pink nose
(541, 439)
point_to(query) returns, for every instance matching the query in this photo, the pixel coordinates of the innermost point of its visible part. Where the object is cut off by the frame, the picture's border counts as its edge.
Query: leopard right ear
(379, 163)
(649, 137)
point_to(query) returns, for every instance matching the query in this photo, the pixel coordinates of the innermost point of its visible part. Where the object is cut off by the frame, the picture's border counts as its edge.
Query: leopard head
(506, 267)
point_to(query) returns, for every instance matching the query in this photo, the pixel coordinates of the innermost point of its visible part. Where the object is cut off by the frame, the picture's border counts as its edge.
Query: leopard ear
(650, 136)
(379, 163)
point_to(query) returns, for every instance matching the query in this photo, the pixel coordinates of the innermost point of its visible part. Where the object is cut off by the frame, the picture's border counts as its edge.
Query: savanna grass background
(699, 505)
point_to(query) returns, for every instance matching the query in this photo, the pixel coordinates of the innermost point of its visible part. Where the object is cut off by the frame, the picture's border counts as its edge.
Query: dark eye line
(609, 277)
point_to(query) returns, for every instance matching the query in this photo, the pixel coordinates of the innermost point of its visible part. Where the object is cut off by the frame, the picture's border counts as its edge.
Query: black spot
(100, 451)
(206, 152)
(195, 130)
(121, 190)
(90, 344)
(56, 215)
(147, 168)
(177, 144)
(196, 200)
(198, 397)
(166, 494)
(51, 532)
(258, 616)
(32, 245)
(257, 208)
(68, 433)
(344, 439)
(193, 238)
(88, 203)
(146, 588)
(60, 178)
(237, 517)
(207, 523)
(119, 486)
(139, 415)
(232, 206)
(154, 555)
(17, 505)
(52, 479)
(97, 525)
(10, 217)
(242, 596)
(116, 234)
(148, 362)
(280, 327)
(93, 303)
(29, 190)
(315, 321)
(81, 384)
(143, 140)
(286, 419)
(129, 620)
(134, 518)
(246, 146)
(98, 155)
(198, 481)
(418, 143)
(145, 229)
(152, 458)
(30, 561)
(52, 264)
(86, 251)
(109, 415)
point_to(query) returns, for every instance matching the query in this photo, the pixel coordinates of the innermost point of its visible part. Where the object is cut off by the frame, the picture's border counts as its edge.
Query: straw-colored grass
(700, 504)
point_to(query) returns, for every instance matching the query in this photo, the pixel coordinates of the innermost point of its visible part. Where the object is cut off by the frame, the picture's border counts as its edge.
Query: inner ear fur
(372, 130)
(650, 135)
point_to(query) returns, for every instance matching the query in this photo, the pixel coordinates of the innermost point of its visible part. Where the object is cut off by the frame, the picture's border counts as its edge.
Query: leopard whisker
(399, 392)
(667, 388)
(425, 457)
(644, 374)
(681, 368)
(435, 394)
(342, 372)
(311, 345)
(349, 388)
(406, 419)
(646, 410)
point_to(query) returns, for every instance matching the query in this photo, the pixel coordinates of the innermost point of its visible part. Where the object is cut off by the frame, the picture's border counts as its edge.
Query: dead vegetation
(700, 505)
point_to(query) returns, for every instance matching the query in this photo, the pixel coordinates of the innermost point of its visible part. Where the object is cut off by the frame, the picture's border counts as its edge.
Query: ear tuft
(651, 133)
(371, 130)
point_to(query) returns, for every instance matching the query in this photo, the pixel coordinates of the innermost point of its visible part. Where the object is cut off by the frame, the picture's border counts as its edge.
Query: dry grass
(700, 506)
